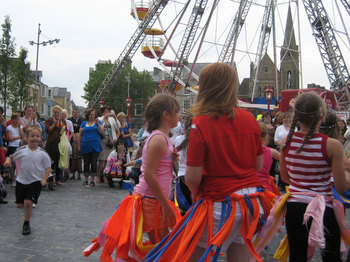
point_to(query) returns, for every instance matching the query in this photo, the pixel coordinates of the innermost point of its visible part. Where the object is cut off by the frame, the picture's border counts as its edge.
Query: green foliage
(7, 52)
(20, 81)
(141, 86)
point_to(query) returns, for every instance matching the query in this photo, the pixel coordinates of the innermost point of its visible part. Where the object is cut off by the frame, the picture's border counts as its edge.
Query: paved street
(64, 222)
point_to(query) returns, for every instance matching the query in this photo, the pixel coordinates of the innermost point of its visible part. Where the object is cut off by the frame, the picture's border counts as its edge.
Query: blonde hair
(65, 112)
(263, 132)
(120, 114)
(32, 128)
(218, 84)
(56, 107)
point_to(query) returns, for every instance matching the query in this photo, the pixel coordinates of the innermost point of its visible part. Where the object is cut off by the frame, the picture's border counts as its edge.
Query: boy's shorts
(28, 192)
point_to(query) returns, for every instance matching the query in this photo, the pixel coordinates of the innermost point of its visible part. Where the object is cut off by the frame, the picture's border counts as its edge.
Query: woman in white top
(14, 135)
(282, 130)
(111, 134)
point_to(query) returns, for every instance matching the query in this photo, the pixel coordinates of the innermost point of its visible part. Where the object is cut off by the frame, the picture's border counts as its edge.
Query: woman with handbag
(111, 134)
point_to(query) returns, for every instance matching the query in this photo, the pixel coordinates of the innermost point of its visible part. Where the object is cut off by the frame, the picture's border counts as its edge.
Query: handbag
(109, 143)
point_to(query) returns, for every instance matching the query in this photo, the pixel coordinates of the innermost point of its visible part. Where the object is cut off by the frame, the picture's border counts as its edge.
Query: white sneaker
(34, 205)
(13, 184)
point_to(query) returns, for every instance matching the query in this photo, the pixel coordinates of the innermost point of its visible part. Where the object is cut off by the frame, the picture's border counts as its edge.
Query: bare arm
(275, 154)
(283, 168)
(336, 153)
(46, 175)
(193, 178)
(8, 162)
(259, 162)
(156, 148)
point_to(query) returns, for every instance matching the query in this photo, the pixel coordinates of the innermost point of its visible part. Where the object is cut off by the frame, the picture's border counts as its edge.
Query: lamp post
(128, 100)
(268, 95)
(44, 43)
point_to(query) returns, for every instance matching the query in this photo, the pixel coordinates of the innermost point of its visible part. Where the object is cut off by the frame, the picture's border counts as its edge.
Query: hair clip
(327, 127)
(306, 113)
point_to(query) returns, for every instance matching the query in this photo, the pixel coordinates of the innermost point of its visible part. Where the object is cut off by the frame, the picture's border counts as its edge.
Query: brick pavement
(64, 222)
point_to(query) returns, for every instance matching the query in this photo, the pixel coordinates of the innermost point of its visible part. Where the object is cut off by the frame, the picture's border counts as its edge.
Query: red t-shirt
(227, 150)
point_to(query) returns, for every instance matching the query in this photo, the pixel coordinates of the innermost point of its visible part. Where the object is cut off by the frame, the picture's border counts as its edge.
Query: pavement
(64, 222)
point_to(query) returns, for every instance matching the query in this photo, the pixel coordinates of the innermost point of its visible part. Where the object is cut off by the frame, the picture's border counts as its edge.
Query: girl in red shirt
(224, 154)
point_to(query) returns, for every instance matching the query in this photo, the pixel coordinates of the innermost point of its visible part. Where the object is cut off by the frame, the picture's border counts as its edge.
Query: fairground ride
(178, 34)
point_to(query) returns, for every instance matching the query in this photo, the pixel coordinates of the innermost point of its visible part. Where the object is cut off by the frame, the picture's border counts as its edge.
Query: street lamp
(128, 105)
(268, 95)
(128, 100)
(44, 43)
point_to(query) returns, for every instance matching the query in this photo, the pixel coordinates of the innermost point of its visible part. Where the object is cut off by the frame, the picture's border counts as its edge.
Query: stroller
(3, 192)
(51, 180)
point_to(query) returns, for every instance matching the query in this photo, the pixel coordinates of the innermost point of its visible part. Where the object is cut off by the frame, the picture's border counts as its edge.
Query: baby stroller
(6, 174)
(3, 192)
(51, 180)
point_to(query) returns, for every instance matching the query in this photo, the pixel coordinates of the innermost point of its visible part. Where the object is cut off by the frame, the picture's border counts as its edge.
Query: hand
(131, 163)
(43, 182)
(96, 120)
(169, 214)
(7, 164)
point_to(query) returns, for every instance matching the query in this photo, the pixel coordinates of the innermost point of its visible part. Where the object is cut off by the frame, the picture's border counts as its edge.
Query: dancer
(308, 160)
(224, 154)
(148, 210)
(269, 154)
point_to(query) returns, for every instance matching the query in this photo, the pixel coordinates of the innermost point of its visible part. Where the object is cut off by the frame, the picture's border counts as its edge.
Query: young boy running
(35, 167)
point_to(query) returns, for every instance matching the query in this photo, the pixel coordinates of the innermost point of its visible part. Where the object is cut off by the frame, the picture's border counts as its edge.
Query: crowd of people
(205, 184)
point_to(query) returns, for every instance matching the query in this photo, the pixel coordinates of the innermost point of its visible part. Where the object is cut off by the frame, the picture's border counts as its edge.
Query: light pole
(268, 95)
(44, 43)
(128, 100)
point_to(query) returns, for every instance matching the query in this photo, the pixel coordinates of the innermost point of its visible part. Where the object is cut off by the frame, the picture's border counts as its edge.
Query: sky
(91, 30)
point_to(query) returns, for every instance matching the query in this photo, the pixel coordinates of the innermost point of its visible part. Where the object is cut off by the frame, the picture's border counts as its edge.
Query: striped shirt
(310, 170)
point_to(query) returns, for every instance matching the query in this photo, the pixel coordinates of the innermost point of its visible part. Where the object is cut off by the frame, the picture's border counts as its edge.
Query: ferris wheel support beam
(187, 41)
(346, 4)
(264, 38)
(129, 50)
(228, 50)
(328, 47)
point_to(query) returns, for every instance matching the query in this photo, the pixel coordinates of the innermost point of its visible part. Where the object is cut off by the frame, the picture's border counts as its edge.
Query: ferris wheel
(177, 35)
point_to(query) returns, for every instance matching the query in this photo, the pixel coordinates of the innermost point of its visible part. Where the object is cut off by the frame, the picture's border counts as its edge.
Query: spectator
(110, 136)
(125, 131)
(53, 129)
(14, 135)
(76, 119)
(29, 118)
(68, 125)
(90, 133)
(42, 125)
(342, 127)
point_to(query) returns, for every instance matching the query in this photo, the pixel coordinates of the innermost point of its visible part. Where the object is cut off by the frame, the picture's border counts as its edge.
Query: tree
(7, 51)
(141, 86)
(20, 81)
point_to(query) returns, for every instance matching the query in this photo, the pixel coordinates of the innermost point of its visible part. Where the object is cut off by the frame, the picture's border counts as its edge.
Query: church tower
(289, 64)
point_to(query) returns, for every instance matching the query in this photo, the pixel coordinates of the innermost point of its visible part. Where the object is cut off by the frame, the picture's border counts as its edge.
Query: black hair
(329, 126)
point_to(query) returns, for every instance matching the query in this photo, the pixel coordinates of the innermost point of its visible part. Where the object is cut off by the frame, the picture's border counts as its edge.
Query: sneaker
(26, 229)
(34, 205)
(86, 183)
(3, 201)
(13, 184)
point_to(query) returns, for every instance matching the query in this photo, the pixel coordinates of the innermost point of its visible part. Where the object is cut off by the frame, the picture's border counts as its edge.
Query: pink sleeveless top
(264, 173)
(163, 172)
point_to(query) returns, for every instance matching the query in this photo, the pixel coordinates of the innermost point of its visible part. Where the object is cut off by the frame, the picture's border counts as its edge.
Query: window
(187, 105)
(42, 111)
(49, 111)
(43, 91)
(49, 94)
(138, 109)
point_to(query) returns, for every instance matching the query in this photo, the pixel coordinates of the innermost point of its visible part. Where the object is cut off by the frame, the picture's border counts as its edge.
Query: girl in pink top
(149, 209)
(269, 154)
